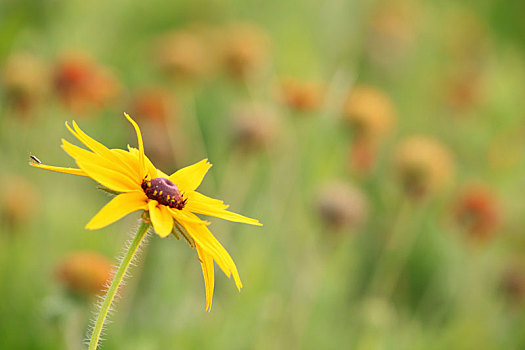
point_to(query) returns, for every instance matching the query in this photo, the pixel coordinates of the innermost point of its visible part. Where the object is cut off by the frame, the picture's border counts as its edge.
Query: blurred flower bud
(153, 104)
(513, 283)
(423, 164)
(155, 108)
(25, 80)
(370, 113)
(19, 199)
(183, 54)
(85, 273)
(464, 89)
(478, 211)
(363, 155)
(341, 205)
(82, 83)
(254, 127)
(391, 32)
(467, 37)
(301, 96)
(245, 49)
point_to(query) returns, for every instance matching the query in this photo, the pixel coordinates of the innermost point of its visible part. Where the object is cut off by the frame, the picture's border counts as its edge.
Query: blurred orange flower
(86, 273)
(81, 83)
(301, 96)
(15, 209)
(245, 49)
(478, 211)
(153, 103)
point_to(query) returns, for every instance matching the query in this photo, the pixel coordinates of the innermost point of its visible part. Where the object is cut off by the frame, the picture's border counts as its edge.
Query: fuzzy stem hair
(115, 284)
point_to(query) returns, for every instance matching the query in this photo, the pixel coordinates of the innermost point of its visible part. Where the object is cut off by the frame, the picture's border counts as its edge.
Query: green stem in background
(396, 253)
(115, 284)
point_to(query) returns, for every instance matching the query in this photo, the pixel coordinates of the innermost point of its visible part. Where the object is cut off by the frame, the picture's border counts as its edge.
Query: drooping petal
(189, 178)
(209, 275)
(118, 207)
(201, 204)
(205, 240)
(160, 218)
(72, 171)
(142, 166)
(84, 156)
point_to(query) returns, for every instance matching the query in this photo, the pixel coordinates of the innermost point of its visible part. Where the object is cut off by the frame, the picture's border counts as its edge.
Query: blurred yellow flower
(170, 200)
(424, 165)
(370, 113)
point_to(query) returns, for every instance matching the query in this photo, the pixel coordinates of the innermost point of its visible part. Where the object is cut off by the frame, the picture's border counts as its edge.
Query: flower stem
(117, 280)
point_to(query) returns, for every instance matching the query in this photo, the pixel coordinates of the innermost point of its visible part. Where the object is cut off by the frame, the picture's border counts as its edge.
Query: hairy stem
(117, 280)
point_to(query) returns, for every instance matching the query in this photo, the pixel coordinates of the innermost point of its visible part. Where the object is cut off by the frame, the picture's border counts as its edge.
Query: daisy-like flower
(171, 201)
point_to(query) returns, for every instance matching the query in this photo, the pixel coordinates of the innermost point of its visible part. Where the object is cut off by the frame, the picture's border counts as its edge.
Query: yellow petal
(131, 160)
(179, 215)
(205, 240)
(72, 171)
(91, 143)
(160, 218)
(118, 207)
(84, 156)
(190, 177)
(209, 275)
(201, 200)
(142, 167)
(98, 147)
(151, 171)
(107, 177)
(201, 204)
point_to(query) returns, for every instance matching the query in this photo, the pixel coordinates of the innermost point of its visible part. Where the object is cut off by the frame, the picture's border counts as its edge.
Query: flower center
(164, 191)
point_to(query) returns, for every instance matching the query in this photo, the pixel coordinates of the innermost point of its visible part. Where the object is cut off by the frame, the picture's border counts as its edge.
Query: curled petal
(142, 167)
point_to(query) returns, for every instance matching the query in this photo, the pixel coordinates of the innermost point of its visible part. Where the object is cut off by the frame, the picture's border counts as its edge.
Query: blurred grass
(305, 287)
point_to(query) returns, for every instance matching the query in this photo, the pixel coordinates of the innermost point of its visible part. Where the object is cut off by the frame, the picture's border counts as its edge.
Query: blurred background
(379, 142)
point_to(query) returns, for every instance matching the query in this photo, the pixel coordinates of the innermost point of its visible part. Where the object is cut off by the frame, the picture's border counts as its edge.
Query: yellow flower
(170, 200)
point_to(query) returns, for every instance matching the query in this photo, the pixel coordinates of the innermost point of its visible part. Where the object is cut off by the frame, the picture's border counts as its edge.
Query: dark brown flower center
(164, 191)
